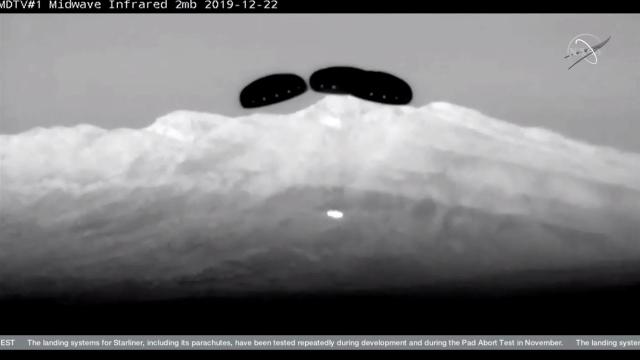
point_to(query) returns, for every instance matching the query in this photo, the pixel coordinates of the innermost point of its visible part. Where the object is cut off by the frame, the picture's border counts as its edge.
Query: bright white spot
(335, 214)
(331, 121)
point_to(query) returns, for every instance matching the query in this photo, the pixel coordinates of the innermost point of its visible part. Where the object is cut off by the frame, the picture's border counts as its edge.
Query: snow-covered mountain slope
(433, 192)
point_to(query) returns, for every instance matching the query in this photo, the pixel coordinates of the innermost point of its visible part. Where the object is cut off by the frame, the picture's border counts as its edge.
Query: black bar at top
(311, 6)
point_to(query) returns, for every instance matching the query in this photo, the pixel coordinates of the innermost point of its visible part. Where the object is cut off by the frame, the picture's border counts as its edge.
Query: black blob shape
(335, 79)
(272, 89)
(382, 87)
(376, 86)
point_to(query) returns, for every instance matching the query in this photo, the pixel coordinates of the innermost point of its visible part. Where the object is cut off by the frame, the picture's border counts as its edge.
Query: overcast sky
(126, 70)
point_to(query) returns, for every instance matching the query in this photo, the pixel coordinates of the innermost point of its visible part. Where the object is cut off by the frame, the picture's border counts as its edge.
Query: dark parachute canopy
(383, 88)
(376, 86)
(335, 80)
(272, 89)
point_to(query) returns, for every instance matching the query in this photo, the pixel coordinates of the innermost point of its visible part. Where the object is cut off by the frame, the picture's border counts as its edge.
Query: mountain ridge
(340, 129)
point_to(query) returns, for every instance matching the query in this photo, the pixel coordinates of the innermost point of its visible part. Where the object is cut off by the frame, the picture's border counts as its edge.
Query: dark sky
(126, 70)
